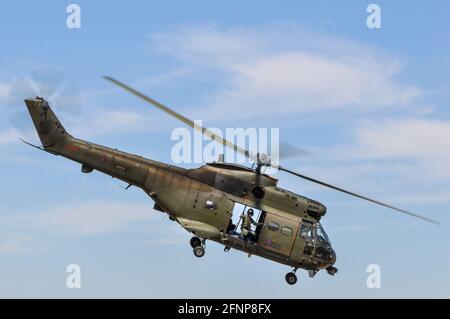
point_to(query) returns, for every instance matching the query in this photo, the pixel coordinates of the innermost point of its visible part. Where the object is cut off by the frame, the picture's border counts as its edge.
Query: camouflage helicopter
(202, 200)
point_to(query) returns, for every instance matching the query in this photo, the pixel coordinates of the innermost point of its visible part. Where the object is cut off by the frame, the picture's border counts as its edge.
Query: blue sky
(371, 105)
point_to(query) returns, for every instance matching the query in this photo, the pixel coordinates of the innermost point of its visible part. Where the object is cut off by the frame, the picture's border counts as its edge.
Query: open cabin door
(278, 233)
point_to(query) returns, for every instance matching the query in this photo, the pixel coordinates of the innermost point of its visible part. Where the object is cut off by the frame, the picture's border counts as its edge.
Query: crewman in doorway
(246, 226)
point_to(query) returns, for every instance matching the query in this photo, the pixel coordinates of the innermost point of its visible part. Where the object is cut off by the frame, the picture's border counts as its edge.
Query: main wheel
(195, 242)
(291, 278)
(199, 251)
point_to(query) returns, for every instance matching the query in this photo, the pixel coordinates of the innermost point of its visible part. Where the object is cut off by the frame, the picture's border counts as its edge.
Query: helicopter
(202, 200)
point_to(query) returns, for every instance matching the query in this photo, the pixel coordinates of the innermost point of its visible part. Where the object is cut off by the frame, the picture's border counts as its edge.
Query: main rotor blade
(251, 156)
(359, 196)
(185, 120)
(288, 150)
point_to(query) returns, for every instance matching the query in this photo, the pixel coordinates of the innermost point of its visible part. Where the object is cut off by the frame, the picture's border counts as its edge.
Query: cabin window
(287, 231)
(273, 226)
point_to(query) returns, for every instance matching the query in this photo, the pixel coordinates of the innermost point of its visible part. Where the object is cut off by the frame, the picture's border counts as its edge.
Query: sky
(371, 106)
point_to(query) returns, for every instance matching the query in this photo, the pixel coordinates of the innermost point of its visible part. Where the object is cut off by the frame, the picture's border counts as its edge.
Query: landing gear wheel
(199, 251)
(226, 249)
(291, 278)
(195, 242)
(332, 271)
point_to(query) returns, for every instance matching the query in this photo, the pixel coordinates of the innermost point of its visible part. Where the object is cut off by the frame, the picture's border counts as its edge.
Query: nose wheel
(198, 246)
(291, 277)
(332, 270)
(199, 251)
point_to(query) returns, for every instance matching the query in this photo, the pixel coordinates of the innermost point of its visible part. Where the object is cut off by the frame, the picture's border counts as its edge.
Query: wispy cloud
(404, 138)
(402, 161)
(102, 121)
(425, 141)
(288, 69)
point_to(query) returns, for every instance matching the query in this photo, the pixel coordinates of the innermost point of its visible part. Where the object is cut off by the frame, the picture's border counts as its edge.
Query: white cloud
(425, 141)
(401, 161)
(287, 70)
(101, 121)
(304, 81)
(404, 137)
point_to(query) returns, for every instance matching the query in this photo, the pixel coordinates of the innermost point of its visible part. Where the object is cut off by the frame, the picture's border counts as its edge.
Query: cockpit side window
(306, 230)
(321, 235)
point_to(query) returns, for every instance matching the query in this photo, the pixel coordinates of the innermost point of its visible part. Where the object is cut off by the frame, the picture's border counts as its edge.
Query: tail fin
(48, 126)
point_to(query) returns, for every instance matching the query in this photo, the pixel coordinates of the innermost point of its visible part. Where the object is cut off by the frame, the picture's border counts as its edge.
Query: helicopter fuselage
(202, 200)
